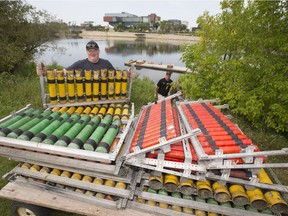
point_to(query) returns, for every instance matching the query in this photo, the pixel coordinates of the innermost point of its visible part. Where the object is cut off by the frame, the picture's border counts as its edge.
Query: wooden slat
(54, 200)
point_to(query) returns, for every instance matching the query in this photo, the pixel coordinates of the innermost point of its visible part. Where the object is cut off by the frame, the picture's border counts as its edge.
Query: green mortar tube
(29, 134)
(109, 137)
(15, 118)
(59, 132)
(85, 133)
(6, 130)
(97, 135)
(17, 132)
(50, 128)
(73, 131)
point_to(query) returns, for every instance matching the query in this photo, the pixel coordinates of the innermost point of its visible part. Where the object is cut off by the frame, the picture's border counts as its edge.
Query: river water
(118, 51)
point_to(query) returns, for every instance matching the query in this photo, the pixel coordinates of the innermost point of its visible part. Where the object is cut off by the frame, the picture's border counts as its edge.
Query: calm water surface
(118, 51)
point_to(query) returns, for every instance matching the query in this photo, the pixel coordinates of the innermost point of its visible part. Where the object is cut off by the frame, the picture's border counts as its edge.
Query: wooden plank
(155, 66)
(54, 200)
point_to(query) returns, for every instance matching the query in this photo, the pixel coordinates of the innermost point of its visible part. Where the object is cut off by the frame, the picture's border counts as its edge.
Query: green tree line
(242, 58)
(23, 33)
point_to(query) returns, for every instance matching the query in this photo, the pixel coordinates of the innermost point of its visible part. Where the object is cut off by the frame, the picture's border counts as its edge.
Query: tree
(23, 30)
(120, 27)
(242, 58)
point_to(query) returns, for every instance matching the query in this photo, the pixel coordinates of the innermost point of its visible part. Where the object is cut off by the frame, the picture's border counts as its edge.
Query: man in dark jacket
(163, 86)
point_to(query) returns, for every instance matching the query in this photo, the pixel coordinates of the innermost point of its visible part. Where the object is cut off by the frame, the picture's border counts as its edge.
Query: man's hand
(41, 70)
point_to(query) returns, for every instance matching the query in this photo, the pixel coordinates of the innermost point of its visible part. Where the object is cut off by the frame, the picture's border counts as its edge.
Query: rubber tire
(37, 210)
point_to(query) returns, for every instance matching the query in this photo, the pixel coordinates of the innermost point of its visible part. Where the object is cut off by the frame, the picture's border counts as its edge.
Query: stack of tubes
(155, 122)
(234, 195)
(218, 132)
(79, 177)
(86, 85)
(89, 128)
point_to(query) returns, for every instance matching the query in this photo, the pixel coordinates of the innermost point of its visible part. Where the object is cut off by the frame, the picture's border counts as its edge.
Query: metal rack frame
(45, 95)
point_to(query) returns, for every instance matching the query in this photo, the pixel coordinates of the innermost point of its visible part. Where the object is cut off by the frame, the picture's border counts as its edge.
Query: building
(129, 19)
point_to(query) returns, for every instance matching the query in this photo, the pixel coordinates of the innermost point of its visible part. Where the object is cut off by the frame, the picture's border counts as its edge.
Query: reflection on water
(126, 48)
(117, 51)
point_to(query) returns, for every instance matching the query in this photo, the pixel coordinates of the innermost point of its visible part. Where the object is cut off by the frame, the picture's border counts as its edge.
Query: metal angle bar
(224, 106)
(170, 96)
(40, 158)
(108, 175)
(73, 183)
(71, 194)
(247, 166)
(125, 132)
(154, 209)
(168, 142)
(172, 164)
(58, 150)
(42, 88)
(134, 162)
(196, 145)
(17, 112)
(216, 100)
(130, 84)
(186, 147)
(283, 151)
(281, 188)
(86, 103)
(196, 205)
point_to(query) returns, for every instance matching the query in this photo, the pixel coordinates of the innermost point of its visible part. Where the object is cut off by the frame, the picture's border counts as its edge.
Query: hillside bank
(144, 36)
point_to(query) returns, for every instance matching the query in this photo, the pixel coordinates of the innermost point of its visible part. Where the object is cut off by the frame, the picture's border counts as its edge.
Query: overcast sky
(94, 10)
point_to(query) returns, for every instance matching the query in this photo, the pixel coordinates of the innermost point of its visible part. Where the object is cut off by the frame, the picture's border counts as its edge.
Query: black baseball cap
(168, 73)
(92, 45)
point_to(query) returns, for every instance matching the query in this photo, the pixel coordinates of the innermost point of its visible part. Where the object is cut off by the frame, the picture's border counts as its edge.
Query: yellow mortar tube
(120, 185)
(186, 187)
(118, 84)
(170, 182)
(94, 111)
(96, 86)
(103, 84)
(70, 85)
(51, 81)
(109, 183)
(26, 166)
(111, 85)
(141, 200)
(239, 196)
(203, 189)
(221, 192)
(61, 86)
(88, 85)
(124, 84)
(156, 182)
(276, 203)
(257, 199)
(79, 85)
(110, 110)
(35, 167)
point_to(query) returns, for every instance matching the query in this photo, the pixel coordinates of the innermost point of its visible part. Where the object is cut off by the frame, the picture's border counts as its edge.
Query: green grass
(16, 91)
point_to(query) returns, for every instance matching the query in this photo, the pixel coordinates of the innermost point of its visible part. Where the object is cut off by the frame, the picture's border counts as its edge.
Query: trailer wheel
(24, 209)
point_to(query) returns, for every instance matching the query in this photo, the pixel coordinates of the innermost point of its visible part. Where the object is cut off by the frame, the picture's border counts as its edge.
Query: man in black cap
(93, 62)
(163, 86)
